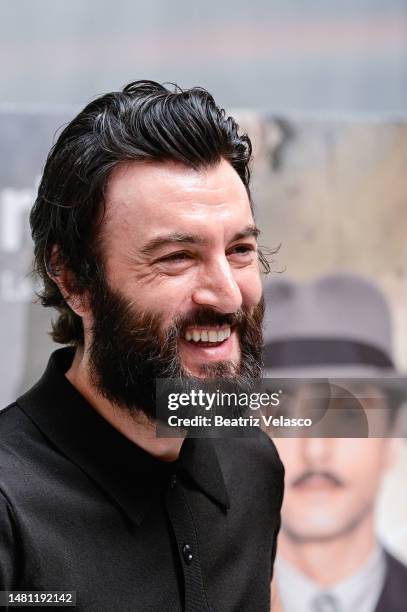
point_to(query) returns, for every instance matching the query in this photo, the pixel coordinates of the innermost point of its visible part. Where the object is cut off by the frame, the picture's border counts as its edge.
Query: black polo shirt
(84, 509)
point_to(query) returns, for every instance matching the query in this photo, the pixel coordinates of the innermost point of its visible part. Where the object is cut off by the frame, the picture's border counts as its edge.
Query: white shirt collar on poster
(360, 592)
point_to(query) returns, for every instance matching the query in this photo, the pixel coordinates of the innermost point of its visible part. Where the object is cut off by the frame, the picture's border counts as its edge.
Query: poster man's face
(332, 483)
(179, 249)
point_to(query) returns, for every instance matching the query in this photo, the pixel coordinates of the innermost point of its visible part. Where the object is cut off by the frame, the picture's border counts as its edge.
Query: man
(146, 244)
(329, 557)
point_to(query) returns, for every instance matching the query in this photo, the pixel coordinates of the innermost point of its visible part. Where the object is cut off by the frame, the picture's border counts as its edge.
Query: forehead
(151, 197)
(342, 411)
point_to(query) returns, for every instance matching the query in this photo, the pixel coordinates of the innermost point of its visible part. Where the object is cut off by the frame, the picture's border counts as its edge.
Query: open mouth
(213, 343)
(207, 336)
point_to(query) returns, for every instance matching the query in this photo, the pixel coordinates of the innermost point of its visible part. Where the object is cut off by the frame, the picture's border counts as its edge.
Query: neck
(138, 428)
(314, 559)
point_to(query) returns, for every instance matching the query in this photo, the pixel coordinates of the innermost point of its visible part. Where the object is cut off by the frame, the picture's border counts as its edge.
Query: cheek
(368, 458)
(289, 452)
(164, 294)
(172, 303)
(250, 285)
(362, 459)
(169, 311)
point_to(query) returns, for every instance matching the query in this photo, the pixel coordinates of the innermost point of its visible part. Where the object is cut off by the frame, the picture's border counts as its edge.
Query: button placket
(184, 529)
(187, 554)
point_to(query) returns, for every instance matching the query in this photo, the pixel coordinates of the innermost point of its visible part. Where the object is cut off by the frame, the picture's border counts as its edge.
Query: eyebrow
(180, 238)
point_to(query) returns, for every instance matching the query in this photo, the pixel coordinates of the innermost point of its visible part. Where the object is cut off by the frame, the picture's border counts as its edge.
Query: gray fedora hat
(337, 325)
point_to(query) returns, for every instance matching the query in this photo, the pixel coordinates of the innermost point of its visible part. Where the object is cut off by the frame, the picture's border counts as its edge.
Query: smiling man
(146, 245)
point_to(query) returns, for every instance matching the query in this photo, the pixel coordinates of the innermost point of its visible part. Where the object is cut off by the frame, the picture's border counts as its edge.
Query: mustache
(207, 316)
(324, 474)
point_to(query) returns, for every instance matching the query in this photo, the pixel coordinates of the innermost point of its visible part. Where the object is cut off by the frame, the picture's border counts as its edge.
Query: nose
(316, 452)
(217, 288)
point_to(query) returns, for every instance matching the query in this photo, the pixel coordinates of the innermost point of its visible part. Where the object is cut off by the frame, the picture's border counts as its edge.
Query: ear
(64, 279)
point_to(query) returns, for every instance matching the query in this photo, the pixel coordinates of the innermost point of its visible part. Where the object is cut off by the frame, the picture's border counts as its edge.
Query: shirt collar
(128, 474)
(198, 458)
(361, 591)
(358, 592)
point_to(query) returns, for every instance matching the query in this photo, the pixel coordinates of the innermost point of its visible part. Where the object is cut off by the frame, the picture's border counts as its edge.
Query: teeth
(210, 335)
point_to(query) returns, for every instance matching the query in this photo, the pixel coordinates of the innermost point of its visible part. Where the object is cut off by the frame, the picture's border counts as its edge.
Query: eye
(243, 248)
(243, 251)
(176, 257)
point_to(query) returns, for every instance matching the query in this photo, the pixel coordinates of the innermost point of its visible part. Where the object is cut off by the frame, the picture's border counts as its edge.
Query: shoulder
(22, 449)
(396, 570)
(394, 594)
(253, 462)
(15, 427)
(255, 449)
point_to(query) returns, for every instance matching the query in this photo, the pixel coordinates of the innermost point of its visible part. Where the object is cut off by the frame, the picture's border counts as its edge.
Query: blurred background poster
(321, 89)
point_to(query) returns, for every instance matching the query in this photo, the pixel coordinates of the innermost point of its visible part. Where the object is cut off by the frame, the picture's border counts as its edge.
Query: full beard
(130, 351)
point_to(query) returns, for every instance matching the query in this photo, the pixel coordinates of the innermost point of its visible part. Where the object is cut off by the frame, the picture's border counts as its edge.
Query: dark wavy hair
(144, 121)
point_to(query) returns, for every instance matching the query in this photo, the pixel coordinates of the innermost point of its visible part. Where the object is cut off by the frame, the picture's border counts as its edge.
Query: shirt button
(187, 554)
(173, 480)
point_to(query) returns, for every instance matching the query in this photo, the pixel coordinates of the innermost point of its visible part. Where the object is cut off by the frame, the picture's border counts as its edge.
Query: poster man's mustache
(305, 477)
